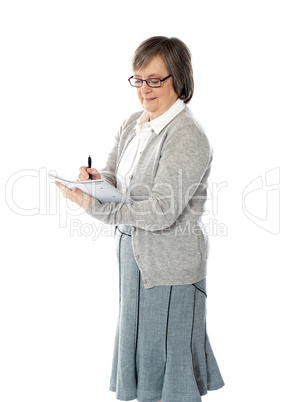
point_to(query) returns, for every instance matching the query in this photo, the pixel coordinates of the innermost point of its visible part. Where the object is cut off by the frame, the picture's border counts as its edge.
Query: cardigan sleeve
(185, 159)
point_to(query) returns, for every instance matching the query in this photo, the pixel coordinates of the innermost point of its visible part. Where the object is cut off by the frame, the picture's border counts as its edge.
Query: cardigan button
(144, 281)
(131, 176)
(133, 229)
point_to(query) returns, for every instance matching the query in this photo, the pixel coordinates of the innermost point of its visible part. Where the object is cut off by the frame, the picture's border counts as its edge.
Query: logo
(261, 201)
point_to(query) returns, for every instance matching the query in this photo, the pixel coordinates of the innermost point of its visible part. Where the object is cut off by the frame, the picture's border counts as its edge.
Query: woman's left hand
(76, 195)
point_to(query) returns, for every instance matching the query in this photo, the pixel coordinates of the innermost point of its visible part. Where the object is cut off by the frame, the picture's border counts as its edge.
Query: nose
(145, 88)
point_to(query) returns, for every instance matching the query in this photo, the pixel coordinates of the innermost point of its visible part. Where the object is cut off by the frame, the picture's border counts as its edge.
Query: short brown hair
(177, 58)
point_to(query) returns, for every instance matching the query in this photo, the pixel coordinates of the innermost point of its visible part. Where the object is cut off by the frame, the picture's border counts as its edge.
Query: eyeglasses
(151, 82)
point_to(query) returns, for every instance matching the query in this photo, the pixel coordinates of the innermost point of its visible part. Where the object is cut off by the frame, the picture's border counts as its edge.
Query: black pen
(89, 165)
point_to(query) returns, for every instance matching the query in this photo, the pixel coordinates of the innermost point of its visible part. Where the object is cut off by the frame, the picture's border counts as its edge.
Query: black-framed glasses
(151, 82)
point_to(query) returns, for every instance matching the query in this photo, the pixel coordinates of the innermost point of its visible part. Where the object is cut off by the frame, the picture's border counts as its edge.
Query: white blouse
(145, 130)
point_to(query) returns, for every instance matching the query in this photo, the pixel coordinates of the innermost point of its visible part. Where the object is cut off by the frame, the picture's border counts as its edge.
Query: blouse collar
(160, 122)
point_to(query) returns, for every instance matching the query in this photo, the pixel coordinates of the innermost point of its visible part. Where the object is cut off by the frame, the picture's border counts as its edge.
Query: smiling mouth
(149, 99)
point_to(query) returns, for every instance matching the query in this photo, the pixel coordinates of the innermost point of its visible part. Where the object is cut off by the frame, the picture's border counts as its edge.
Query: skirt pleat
(161, 350)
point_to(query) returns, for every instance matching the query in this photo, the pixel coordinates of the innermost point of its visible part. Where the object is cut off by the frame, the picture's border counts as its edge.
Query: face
(155, 100)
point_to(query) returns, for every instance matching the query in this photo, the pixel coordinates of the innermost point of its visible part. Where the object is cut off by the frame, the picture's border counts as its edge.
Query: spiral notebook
(100, 189)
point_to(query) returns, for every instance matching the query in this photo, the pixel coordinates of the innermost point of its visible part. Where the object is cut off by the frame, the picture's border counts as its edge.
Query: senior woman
(161, 159)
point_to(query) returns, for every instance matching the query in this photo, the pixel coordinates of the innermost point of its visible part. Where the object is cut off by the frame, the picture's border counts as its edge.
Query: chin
(149, 107)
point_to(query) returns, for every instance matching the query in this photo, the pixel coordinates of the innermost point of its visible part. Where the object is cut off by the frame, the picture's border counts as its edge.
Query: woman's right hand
(84, 172)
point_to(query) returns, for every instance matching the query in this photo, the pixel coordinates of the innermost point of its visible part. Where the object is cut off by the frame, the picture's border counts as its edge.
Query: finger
(83, 177)
(76, 195)
(60, 185)
(82, 199)
(82, 169)
(94, 173)
(66, 192)
(83, 174)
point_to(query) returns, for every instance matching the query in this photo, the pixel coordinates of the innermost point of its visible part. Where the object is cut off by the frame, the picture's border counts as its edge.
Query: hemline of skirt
(212, 387)
(132, 398)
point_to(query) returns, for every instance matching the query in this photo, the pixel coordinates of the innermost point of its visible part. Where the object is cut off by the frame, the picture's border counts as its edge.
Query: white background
(64, 93)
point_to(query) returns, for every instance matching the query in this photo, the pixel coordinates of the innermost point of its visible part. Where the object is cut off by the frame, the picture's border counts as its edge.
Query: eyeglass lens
(151, 82)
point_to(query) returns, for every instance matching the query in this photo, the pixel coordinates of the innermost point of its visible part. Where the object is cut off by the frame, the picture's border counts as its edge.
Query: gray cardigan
(168, 191)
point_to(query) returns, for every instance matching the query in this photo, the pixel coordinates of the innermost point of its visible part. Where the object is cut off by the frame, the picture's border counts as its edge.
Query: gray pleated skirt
(162, 351)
